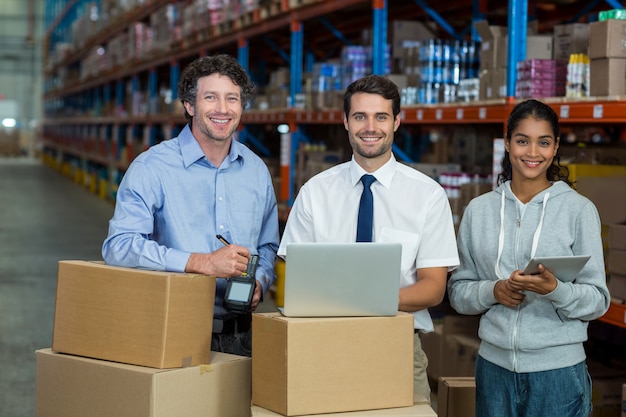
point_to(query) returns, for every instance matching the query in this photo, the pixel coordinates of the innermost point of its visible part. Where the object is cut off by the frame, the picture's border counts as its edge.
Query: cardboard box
(73, 386)
(605, 185)
(456, 397)
(606, 396)
(328, 365)
(617, 261)
(617, 287)
(617, 236)
(493, 42)
(156, 319)
(494, 45)
(418, 410)
(403, 31)
(608, 77)
(570, 39)
(434, 345)
(607, 39)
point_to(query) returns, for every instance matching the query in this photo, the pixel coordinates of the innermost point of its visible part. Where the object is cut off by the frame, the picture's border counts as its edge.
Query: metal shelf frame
(112, 86)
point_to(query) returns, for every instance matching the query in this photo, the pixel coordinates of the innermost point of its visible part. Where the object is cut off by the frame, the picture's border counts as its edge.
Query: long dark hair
(538, 111)
(221, 64)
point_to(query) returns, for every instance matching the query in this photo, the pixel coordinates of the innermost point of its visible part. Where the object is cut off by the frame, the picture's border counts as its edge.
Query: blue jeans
(564, 392)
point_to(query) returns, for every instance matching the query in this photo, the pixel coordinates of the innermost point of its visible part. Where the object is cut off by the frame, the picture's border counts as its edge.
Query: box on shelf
(493, 42)
(156, 319)
(617, 286)
(605, 186)
(494, 45)
(617, 261)
(456, 397)
(617, 236)
(403, 31)
(328, 365)
(606, 396)
(568, 39)
(607, 39)
(73, 386)
(608, 77)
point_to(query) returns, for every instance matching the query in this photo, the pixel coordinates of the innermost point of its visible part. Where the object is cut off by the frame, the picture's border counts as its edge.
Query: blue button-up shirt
(172, 201)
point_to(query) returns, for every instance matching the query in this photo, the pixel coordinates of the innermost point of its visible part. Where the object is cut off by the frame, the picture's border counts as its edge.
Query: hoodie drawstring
(544, 203)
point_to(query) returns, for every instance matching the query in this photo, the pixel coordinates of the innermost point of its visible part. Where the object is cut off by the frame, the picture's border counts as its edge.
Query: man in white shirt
(409, 207)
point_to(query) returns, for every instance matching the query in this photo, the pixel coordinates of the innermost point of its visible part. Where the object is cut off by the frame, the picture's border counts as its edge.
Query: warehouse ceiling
(21, 29)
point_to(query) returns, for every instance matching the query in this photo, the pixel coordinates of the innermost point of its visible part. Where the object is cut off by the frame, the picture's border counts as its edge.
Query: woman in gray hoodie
(531, 357)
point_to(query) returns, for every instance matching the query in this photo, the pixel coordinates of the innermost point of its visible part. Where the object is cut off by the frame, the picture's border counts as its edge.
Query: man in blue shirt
(177, 196)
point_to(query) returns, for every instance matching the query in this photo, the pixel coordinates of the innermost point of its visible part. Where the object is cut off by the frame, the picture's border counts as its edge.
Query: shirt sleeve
(268, 240)
(128, 243)
(587, 297)
(468, 293)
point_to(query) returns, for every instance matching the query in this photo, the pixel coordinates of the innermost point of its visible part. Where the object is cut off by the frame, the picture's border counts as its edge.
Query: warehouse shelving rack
(93, 139)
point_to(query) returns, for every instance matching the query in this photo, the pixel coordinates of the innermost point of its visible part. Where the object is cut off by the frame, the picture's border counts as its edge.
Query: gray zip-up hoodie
(497, 236)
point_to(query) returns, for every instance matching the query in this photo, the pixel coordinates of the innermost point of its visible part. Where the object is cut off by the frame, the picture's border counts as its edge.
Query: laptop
(342, 279)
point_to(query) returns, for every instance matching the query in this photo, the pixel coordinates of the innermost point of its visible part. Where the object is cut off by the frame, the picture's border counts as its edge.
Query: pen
(221, 239)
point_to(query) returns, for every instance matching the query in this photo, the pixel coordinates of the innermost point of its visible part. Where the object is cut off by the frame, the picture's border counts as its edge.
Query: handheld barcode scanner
(240, 290)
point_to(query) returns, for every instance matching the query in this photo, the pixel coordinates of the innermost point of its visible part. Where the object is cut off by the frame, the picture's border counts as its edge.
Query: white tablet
(565, 268)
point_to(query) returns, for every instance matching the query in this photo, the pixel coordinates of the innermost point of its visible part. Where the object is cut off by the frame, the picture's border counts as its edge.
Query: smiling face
(371, 126)
(532, 148)
(218, 108)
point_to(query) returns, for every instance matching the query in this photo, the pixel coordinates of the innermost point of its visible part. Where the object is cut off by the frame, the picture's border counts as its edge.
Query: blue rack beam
(379, 36)
(518, 20)
(438, 19)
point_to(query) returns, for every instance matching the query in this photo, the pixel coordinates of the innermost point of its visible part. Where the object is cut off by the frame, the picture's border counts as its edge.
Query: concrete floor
(44, 218)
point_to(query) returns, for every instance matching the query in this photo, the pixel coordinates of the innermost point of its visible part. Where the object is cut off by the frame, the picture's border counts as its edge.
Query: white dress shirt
(409, 207)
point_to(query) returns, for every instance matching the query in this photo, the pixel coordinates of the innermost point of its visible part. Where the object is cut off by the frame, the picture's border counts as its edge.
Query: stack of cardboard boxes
(494, 57)
(607, 52)
(134, 343)
(617, 261)
(452, 350)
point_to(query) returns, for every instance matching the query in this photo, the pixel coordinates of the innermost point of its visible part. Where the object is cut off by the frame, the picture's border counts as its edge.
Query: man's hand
(228, 261)
(256, 298)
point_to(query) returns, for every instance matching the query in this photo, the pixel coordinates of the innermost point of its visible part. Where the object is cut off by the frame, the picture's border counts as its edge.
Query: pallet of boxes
(135, 343)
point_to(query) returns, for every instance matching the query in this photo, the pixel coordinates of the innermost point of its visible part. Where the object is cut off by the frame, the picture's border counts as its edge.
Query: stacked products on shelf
(617, 261)
(538, 78)
(608, 56)
(494, 56)
(578, 76)
(444, 64)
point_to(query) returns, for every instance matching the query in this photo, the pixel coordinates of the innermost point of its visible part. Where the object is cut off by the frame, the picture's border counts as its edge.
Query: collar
(383, 175)
(192, 153)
